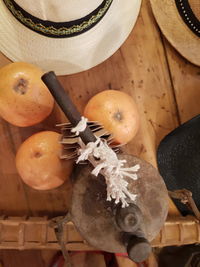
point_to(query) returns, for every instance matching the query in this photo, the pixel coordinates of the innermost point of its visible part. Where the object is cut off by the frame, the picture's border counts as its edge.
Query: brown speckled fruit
(38, 161)
(117, 112)
(24, 99)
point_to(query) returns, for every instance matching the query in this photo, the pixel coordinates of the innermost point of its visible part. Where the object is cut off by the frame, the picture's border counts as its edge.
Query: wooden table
(164, 85)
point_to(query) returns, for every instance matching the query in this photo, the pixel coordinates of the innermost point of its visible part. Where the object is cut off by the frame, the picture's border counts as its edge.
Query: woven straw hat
(179, 21)
(65, 36)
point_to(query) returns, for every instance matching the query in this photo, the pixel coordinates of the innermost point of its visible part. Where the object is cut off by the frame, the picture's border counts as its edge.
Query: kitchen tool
(105, 224)
(70, 140)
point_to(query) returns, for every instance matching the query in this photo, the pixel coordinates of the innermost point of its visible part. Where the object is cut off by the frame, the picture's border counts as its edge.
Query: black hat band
(188, 16)
(58, 29)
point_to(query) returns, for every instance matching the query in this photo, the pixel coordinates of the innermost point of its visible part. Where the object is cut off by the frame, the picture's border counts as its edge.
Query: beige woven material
(175, 29)
(195, 6)
(67, 55)
(36, 233)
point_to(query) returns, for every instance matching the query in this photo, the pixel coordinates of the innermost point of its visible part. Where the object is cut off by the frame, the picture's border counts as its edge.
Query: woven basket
(36, 233)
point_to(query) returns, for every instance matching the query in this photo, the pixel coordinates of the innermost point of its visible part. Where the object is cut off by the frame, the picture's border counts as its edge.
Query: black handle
(138, 249)
(129, 220)
(65, 103)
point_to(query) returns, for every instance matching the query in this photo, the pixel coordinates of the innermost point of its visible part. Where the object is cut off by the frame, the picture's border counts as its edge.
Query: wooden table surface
(164, 85)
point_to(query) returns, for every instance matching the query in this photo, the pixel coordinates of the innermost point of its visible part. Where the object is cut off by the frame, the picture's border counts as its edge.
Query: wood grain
(166, 89)
(125, 262)
(31, 258)
(88, 260)
(186, 83)
(46, 258)
(139, 68)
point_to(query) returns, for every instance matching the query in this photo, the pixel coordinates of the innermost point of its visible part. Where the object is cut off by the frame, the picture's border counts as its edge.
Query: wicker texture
(195, 6)
(35, 233)
(175, 30)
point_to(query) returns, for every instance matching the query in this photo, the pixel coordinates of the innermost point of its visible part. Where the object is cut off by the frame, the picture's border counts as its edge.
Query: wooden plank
(17, 198)
(149, 84)
(186, 81)
(14, 258)
(125, 262)
(13, 198)
(138, 68)
(45, 258)
(83, 259)
(48, 257)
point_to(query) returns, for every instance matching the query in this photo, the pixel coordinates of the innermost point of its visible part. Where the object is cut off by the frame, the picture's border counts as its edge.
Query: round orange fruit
(24, 98)
(38, 161)
(117, 112)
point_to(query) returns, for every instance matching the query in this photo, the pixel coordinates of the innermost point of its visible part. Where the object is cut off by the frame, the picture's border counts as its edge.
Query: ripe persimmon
(117, 112)
(24, 98)
(38, 161)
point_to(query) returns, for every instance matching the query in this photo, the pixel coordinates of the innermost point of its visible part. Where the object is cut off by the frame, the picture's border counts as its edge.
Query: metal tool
(104, 224)
(70, 143)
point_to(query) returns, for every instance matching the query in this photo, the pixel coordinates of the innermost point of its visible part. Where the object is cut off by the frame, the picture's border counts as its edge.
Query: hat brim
(175, 30)
(178, 158)
(68, 55)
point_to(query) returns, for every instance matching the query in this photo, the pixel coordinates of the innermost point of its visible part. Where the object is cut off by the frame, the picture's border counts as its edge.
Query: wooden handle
(65, 103)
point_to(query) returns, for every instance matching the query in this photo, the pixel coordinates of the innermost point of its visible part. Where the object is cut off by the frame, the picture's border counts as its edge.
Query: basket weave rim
(175, 30)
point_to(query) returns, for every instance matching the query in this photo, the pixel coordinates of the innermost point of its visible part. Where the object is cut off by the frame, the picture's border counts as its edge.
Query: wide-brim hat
(178, 158)
(179, 21)
(65, 36)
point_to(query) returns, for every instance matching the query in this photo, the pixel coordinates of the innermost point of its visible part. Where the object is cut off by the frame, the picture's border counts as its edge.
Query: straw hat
(179, 21)
(65, 36)
(178, 158)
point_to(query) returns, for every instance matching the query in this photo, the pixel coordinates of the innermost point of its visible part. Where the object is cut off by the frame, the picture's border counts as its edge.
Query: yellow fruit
(24, 99)
(117, 112)
(38, 161)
